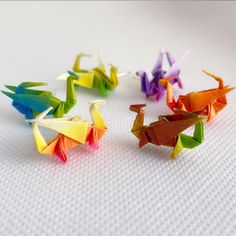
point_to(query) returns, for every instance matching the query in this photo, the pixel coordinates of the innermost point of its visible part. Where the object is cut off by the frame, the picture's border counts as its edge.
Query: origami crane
(153, 87)
(206, 103)
(95, 78)
(167, 130)
(31, 102)
(71, 132)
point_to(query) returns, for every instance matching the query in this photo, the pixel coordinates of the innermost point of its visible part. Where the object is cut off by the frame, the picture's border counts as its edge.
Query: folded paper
(96, 78)
(206, 103)
(167, 130)
(153, 88)
(71, 132)
(32, 102)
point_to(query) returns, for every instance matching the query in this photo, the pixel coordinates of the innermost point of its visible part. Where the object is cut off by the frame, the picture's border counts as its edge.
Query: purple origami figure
(153, 87)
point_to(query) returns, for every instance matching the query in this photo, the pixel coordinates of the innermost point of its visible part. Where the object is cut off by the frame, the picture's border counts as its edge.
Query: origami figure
(71, 132)
(95, 78)
(153, 87)
(206, 103)
(167, 130)
(31, 102)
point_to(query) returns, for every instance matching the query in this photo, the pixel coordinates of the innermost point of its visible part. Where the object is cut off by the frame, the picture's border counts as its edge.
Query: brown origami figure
(167, 130)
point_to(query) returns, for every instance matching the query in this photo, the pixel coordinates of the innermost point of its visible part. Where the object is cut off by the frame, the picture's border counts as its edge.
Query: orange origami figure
(71, 132)
(206, 103)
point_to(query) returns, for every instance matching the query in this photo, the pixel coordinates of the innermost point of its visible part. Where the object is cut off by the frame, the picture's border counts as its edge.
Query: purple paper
(153, 88)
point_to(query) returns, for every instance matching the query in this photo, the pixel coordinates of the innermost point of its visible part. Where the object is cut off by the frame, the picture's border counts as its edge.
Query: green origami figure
(95, 78)
(32, 102)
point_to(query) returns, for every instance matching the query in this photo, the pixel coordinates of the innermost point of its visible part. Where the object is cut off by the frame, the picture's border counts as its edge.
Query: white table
(119, 189)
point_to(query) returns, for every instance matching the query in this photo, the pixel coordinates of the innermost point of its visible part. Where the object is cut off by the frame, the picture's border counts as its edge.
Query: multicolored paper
(30, 102)
(71, 132)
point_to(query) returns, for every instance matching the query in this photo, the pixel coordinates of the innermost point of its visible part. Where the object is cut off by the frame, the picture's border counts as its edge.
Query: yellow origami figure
(96, 78)
(71, 131)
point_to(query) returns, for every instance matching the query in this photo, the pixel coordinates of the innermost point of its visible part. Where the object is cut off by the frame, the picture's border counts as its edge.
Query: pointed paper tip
(94, 146)
(62, 157)
(42, 83)
(163, 50)
(97, 102)
(40, 116)
(211, 74)
(123, 74)
(100, 59)
(227, 90)
(84, 55)
(10, 87)
(172, 156)
(113, 67)
(10, 95)
(62, 77)
(32, 84)
(206, 71)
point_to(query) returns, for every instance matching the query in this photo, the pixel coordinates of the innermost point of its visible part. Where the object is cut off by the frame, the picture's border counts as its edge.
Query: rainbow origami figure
(167, 130)
(95, 78)
(71, 132)
(32, 102)
(206, 103)
(154, 88)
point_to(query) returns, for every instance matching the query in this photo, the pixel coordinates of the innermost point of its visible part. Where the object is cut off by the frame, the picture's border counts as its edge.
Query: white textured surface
(120, 189)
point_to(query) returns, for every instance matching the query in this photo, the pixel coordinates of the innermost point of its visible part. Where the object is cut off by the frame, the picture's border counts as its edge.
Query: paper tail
(25, 85)
(10, 95)
(212, 75)
(40, 116)
(217, 78)
(10, 87)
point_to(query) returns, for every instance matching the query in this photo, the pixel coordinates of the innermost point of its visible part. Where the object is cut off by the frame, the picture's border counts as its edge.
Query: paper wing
(76, 130)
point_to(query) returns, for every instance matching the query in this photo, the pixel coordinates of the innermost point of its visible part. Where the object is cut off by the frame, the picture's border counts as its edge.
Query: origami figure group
(188, 110)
